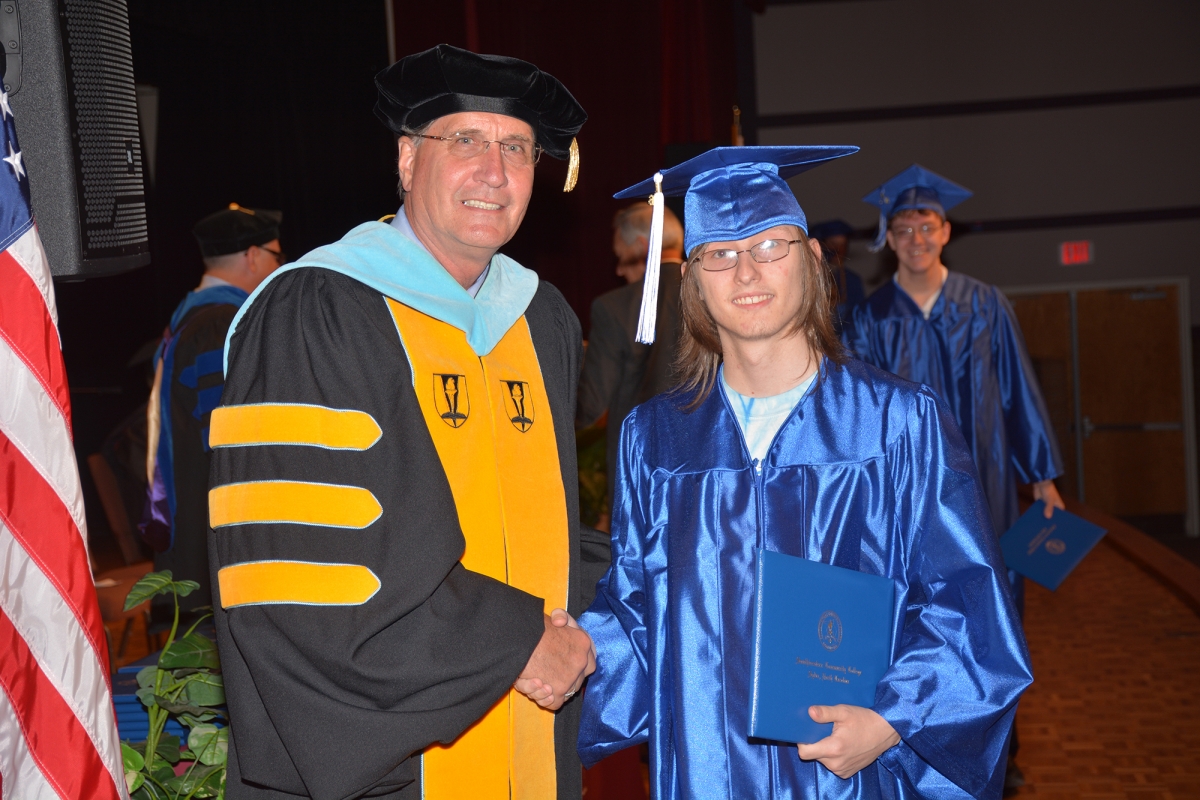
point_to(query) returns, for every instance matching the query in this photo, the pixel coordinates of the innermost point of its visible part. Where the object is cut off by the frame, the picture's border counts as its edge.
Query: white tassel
(649, 313)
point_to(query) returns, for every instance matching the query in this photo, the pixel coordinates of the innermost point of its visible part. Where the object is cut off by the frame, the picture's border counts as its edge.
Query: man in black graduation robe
(353, 637)
(240, 247)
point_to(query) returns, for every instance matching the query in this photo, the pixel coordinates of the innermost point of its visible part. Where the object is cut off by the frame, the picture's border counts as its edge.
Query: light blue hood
(383, 258)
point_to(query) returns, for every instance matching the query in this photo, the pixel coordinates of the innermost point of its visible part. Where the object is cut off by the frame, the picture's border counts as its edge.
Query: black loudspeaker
(69, 78)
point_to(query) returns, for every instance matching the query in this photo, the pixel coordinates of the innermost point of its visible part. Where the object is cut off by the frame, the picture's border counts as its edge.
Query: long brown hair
(700, 352)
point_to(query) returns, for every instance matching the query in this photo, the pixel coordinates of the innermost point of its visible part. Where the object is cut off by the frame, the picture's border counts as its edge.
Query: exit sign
(1075, 253)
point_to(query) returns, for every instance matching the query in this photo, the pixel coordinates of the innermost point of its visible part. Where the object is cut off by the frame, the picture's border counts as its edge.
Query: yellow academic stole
(490, 421)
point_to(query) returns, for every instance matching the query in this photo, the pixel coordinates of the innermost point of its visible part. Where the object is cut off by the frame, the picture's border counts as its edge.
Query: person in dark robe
(240, 248)
(959, 337)
(618, 371)
(394, 499)
(775, 439)
(834, 236)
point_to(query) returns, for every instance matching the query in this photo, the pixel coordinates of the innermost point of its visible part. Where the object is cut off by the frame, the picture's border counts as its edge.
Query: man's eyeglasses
(905, 232)
(517, 152)
(280, 258)
(764, 253)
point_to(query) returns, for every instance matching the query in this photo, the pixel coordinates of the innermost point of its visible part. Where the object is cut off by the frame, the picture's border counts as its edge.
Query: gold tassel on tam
(572, 167)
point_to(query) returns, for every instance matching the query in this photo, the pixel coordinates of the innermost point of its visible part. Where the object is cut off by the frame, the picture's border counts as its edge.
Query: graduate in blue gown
(776, 440)
(959, 337)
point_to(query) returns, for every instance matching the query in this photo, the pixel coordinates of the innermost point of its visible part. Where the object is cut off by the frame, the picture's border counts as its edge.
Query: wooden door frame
(1192, 518)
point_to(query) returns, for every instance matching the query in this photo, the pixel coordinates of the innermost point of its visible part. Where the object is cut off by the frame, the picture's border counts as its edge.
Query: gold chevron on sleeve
(292, 424)
(298, 582)
(292, 501)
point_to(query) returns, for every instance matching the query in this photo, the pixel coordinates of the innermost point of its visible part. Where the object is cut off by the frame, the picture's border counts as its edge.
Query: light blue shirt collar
(760, 418)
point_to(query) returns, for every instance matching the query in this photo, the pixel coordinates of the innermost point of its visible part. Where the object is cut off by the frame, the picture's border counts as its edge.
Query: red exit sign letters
(1075, 253)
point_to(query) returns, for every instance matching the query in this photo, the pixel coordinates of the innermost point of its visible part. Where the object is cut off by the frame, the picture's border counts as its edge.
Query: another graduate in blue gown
(776, 440)
(959, 337)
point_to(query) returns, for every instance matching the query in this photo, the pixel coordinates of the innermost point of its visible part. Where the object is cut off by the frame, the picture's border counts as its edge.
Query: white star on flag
(14, 161)
(5, 110)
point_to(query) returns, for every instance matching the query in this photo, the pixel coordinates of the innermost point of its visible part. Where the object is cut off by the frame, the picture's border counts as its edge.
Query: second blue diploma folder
(1046, 550)
(822, 636)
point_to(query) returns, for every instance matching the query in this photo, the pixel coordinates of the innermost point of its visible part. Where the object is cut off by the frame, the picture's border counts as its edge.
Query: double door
(1114, 363)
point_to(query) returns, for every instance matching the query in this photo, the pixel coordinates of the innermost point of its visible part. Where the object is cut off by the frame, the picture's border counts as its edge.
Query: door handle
(1090, 427)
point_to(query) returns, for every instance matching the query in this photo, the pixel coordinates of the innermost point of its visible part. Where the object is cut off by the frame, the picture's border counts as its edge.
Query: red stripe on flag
(61, 747)
(42, 525)
(26, 325)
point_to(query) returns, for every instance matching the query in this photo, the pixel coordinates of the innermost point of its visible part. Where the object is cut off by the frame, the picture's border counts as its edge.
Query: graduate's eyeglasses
(466, 145)
(764, 253)
(905, 233)
(280, 258)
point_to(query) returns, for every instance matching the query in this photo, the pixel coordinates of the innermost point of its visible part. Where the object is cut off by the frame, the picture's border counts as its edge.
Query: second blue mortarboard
(729, 193)
(914, 188)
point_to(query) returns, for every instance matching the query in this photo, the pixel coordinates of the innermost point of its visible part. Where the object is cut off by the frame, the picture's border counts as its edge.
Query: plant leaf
(190, 721)
(131, 758)
(167, 750)
(148, 791)
(146, 676)
(146, 695)
(177, 708)
(154, 583)
(162, 773)
(134, 781)
(202, 782)
(210, 743)
(205, 689)
(184, 588)
(151, 584)
(191, 651)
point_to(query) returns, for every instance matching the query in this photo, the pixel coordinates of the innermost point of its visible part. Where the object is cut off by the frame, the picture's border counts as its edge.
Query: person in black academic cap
(618, 371)
(240, 248)
(834, 237)
(394, 497)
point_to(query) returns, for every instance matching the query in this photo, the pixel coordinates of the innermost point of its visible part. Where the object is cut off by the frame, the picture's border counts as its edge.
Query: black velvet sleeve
(330, 701)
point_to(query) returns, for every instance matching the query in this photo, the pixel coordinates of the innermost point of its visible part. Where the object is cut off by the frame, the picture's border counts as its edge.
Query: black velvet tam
(233, 229)
(446, 80)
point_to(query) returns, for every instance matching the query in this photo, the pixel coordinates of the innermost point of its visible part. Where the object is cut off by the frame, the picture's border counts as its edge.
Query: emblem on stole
(519, 403)
(829, 630)
(450, 398)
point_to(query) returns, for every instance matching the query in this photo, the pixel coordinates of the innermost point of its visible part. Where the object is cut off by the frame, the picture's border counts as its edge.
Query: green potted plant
(185, 684)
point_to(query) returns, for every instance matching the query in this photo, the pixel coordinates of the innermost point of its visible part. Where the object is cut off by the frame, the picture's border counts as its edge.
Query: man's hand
(859, 737)
(563, 658)
(1048, 492)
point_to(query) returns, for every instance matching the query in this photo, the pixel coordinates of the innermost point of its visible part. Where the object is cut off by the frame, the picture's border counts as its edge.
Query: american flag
(58, 732)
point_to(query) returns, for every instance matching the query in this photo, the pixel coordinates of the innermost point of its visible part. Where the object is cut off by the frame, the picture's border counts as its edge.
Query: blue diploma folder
(1046, 550)
(822, 636)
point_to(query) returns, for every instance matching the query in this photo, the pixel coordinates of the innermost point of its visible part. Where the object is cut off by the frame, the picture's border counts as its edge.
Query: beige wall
(872, 54)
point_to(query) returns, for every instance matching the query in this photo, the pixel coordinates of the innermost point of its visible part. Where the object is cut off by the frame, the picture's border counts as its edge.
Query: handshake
(563, 658)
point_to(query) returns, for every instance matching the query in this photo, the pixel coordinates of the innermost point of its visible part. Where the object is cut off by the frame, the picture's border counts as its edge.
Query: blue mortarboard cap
(915, 187)
(734, 192)
(829, 228)
(729, 193)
